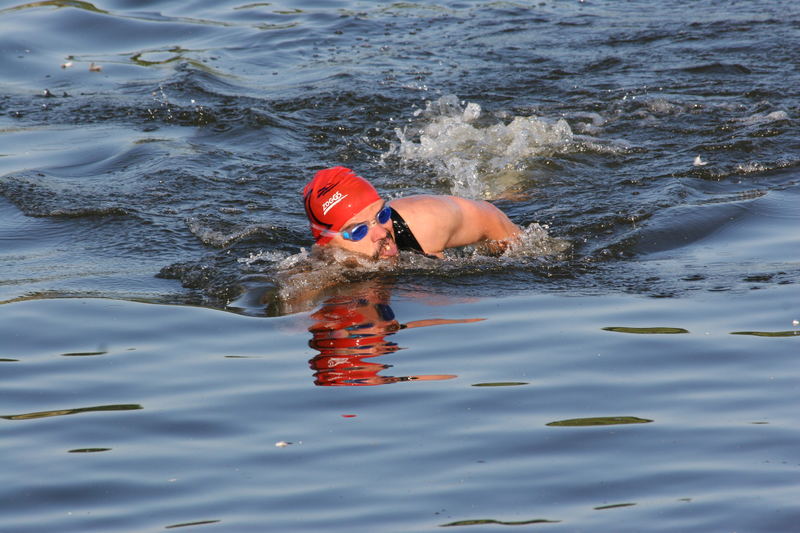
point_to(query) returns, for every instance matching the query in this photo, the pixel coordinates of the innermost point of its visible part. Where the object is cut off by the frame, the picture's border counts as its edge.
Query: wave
(482, 155)
(280, 283)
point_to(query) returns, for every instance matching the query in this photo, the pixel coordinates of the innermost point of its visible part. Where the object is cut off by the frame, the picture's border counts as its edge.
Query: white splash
(479, 156)
(270, 256)
(310, 271)
(535, 241)
(765, 118)
(220, 239)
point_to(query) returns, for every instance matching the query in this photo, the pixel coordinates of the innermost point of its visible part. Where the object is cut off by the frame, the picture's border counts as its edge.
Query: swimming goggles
(359, 231)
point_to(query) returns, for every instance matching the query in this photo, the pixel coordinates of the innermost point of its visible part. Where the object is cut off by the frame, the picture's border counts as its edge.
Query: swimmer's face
(379, 241)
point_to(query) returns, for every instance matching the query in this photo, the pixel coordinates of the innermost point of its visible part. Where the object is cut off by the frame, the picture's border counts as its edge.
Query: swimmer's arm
(486, 222)
(441, 222)
(476, 222)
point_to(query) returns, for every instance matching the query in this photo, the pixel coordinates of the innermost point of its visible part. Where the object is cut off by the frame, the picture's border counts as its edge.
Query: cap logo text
(332, 201)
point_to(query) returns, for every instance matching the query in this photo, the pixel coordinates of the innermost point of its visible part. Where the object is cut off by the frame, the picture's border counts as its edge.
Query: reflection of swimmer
(345, 211)
(348, 331)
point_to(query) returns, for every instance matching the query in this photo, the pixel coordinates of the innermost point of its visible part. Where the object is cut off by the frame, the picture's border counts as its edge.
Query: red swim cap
(333, 197)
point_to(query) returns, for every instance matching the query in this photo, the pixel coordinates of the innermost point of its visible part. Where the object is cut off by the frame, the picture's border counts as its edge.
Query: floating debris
(483, 521)
(89, 450)
(62, 412)
(189, 524)
(650, 331)
(792, 333)
(599, 421)
(501, 384)
(613, 506)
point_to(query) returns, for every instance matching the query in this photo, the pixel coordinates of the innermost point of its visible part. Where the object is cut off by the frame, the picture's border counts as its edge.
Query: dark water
(186, 153)
(634, 368)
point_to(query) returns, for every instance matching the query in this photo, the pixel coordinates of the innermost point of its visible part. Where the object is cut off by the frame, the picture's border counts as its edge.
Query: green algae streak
(599, 421)
(647, 331)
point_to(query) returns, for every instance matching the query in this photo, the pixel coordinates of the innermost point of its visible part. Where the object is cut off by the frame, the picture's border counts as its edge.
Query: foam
(535, 241)
(261, 257)
(221, 239)
(479, 156)
(302, 276)
(765, 118)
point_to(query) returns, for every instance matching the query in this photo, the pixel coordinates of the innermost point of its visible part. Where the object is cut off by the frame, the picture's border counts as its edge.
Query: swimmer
(346, 211)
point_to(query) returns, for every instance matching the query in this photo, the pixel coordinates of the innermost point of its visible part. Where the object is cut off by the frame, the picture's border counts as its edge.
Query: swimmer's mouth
(386, 248)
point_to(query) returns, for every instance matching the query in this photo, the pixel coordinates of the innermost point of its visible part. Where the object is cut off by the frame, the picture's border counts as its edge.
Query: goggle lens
(384, 215)
(360, 231)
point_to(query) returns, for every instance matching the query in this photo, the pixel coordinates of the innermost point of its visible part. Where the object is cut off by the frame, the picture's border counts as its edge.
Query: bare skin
(438, 223)
(379, 242)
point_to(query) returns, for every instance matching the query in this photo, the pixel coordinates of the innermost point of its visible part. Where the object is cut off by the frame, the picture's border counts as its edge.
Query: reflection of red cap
(337, 315)
(327, 342)
(333, 197)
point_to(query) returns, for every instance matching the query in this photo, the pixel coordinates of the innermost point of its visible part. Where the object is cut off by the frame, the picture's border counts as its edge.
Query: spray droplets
(479, 160)
(192, 114)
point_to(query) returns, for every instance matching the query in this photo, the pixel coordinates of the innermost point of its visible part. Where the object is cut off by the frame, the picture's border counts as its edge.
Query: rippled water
(613, 413)
(185, 153)
(633, 365)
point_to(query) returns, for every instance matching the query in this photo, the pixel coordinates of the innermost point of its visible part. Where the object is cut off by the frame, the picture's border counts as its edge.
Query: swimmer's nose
(378, 232)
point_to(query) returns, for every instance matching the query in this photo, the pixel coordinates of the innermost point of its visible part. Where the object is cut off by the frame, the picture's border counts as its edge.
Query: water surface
(123, 416)
(174, 358)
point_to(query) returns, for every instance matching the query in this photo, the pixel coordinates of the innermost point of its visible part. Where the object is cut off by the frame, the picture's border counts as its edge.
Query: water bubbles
(765, 118)
(536, 242)
(160, 97)
(170, 111)
(480, 157)
(471, 113)
(261, 257)
(299, 278)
